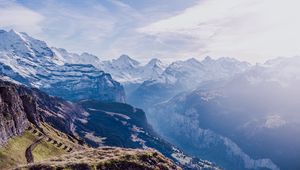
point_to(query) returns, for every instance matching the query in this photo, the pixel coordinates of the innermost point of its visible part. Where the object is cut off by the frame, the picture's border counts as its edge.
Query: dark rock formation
(13, 119)
(20, 106)
(30, 108)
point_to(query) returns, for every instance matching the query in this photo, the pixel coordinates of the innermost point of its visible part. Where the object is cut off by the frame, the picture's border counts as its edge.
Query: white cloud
(248, 29)
(77, 28)
(14, 16)
(274, 121)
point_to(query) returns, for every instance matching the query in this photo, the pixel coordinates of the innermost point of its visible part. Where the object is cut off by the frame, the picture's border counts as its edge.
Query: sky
(250, 30)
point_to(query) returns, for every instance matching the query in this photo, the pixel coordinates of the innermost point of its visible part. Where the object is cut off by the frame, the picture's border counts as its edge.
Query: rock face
(30, 108)
(13, 119)
(31, 62)
(20, 106)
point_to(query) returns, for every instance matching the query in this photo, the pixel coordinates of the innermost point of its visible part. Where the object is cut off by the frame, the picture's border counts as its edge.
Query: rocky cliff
(20, 106)
(13, 117)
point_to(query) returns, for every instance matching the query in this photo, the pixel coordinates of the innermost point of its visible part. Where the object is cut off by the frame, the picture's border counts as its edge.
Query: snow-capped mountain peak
(124, 61)
(193, 61)
(207, 59)
(31, 62)
(22, 44)
(155, 63)
(89, 57)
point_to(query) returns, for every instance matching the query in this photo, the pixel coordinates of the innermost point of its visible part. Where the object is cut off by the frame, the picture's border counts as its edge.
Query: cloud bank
(13, 15)
(252, 30)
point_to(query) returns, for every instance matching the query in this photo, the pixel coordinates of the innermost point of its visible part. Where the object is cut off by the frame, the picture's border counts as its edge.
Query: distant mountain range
(129, 71)
(156, 81)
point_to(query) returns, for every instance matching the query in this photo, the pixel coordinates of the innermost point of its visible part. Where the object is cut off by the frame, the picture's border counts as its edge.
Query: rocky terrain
(108, 158)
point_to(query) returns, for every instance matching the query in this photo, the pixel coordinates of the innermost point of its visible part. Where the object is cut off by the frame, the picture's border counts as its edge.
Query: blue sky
(252, 30)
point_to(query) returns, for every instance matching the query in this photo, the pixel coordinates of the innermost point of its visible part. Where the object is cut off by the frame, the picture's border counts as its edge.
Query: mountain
(31, 62)
(248, 121)
(65, 57)
(179, 75)
(123, 69)
(184, 76)
(189, 73)
(125, 62)
(31, 119)
(153, 69)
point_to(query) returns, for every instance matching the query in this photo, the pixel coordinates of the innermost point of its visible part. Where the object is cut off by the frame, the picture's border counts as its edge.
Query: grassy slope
(45, 150)
(108, 158)
(13, 153)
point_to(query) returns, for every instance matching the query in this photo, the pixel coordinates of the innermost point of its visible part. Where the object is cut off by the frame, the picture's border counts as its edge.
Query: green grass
(108, 158)
(45, 150)
(13, 153)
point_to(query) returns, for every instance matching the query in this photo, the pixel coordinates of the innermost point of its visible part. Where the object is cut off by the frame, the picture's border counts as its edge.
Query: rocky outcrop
(13, 119)
(20, 106)
(30, 108)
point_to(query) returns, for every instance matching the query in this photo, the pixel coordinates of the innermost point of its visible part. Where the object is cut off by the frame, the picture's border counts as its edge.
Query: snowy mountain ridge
(31, 62)
(129, 71)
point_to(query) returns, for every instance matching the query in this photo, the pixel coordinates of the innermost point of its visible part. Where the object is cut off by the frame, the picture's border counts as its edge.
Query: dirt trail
(28, 152)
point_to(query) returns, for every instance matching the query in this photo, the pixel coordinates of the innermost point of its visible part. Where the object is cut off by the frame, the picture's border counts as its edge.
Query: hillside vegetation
(53, 143)
(107, 158)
